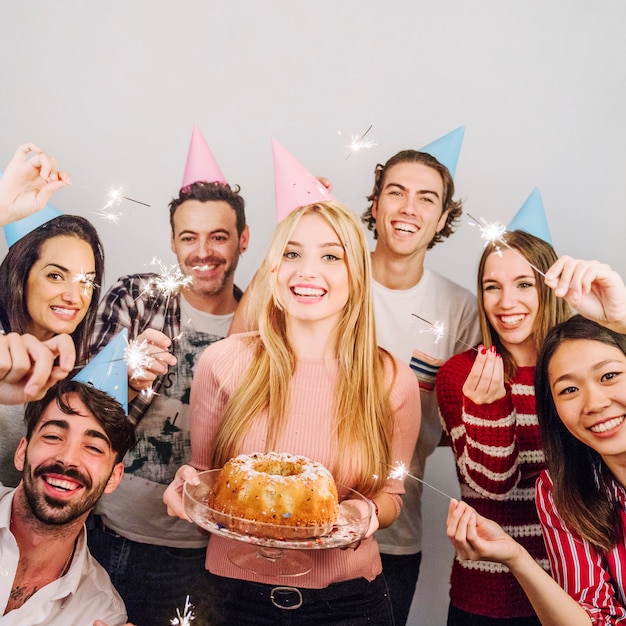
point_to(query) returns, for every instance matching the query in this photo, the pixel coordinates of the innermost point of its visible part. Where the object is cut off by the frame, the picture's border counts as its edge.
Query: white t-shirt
(440, 301)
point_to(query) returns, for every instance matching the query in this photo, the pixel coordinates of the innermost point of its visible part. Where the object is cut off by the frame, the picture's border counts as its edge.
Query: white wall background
(114, 88)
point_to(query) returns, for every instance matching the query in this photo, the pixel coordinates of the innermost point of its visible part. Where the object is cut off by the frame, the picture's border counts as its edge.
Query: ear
(442, 220)
(20, 455)
(115, 478)
(375, 207)
(244, 239)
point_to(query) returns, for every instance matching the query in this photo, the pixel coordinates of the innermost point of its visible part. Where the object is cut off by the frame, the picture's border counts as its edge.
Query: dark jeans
(401, 573)
(153, 580)
(456, 617)
(350, 603)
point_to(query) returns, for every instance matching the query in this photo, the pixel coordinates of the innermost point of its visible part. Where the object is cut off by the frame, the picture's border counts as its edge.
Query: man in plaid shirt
(155, 560)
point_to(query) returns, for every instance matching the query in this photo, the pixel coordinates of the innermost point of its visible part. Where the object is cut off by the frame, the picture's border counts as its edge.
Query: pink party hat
(108, 371)
(201, 164)
(446, 149)
(532, 218)
(294, 185)
(16, 230)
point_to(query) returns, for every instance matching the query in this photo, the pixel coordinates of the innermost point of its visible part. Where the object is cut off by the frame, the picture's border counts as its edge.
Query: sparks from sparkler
(116, 196)
(87, 280)
(186, 618)
(358, 142)
(400, 472)
(169, 281)
(137, 357)
(493, 233)
(439, 330)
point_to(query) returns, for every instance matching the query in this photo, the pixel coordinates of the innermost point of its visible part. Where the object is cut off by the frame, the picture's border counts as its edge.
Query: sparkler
(360, 143)
(115, 198)
(168, 282)
(439, 330)
(138, 357)
(186, 618)
(493, 233)
(87, 281)
(399, 471)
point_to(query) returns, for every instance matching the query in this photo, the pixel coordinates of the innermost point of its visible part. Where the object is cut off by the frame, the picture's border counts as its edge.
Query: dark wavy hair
(109, 412)
(21, 257)
(206, 192)
(455, 207)
(582, 491)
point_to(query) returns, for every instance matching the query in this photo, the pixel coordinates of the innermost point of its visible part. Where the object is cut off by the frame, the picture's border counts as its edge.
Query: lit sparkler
(87, 280)
(169, 281)
(438, 329)
(115, 196)
(186, 618)
(493, 233)
(137, 357)
(358, 142)
(400, 472)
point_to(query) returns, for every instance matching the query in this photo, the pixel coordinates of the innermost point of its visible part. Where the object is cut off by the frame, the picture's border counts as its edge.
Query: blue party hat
(16, 230)
(532, 218)
(446, 149)
(108, 371)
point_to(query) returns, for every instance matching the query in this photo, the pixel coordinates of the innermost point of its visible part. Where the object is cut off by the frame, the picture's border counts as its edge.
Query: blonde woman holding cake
(310, 382)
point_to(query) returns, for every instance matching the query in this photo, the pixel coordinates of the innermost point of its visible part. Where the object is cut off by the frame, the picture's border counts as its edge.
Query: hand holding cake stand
(275, 549)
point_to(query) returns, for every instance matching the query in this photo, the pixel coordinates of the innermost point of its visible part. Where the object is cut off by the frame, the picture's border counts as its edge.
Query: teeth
(308, 291)
(406, 228)
(61, 484)
(63, 311)
(511, 319)
(203, 268)
(606, 426)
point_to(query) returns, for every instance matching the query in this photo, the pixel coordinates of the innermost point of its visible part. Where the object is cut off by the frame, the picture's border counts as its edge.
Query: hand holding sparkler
(28, 183)
(485, 381)
(148, 357)
(592, 288)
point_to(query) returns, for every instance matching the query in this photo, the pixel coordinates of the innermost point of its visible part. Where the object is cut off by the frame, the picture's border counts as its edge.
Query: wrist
(374, 505)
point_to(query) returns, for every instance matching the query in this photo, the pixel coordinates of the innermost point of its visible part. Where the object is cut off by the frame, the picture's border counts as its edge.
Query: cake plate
(275, 549)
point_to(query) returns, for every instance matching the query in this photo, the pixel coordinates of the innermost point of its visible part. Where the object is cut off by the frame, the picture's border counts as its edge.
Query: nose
(595, 399)
(68, 454)
(507, 298)
(73, 290)
(307, 267)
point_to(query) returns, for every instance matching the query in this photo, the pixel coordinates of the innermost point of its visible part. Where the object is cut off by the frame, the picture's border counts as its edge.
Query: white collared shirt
(80, 597)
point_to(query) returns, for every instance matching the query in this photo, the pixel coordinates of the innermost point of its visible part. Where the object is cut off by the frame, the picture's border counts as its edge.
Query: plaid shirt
(130, 304)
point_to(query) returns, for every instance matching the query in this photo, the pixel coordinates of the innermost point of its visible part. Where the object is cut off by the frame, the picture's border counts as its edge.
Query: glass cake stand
(275, 549)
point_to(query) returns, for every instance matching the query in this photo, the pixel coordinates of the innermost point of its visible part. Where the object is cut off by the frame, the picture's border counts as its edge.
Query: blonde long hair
(364, 419)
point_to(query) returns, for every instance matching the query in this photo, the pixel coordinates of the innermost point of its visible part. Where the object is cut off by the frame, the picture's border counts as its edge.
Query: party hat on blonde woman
(295, 186)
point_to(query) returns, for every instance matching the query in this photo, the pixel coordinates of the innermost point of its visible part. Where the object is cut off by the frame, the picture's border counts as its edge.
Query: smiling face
(511, 303)
(207, 246)
(59, 287)
(409, 210)
(588, 384)
(312, 281)
(68, 463)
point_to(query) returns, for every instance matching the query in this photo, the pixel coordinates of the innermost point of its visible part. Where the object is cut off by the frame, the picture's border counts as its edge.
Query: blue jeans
(350, 603)
(153, 580)
(401, 573)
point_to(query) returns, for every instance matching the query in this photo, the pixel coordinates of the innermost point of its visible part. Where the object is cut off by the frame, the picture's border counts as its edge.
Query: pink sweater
(309, 432)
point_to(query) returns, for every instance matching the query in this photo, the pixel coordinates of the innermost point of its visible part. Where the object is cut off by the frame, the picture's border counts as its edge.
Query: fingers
(173, 495)
(485, 382)
(156, 345)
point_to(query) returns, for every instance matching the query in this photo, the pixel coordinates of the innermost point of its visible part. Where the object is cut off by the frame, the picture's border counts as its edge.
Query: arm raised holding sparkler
(28, 183)
(594, 289)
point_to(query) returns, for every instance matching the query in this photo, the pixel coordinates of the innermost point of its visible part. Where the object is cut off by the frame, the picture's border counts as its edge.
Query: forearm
(388, 510)
(554, 607)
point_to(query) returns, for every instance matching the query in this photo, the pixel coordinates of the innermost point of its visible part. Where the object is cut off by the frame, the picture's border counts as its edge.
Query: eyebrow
(596, 366)
(69, 271)
(195, 232)
(403, 188)
(329, 244)
(64, 425)
(520, 277)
